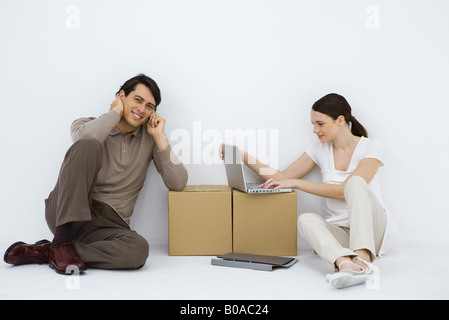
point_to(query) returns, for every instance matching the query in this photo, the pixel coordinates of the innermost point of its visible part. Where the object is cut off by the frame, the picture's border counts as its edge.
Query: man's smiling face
(138, 105)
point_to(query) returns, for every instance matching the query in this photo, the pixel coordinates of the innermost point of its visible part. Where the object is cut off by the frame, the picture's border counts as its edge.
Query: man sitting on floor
(90, 208)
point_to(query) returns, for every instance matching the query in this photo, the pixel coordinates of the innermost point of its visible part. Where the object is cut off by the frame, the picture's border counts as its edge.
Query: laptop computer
(236, 173)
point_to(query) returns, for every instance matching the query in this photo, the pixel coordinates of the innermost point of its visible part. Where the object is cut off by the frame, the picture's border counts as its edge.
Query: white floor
(405, 273)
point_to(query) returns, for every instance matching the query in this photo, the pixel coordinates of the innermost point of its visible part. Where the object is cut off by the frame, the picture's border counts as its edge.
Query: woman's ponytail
(356, 127)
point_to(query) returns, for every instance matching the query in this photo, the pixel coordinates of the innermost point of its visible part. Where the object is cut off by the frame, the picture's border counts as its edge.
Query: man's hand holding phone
(155, 127)
(155, 124)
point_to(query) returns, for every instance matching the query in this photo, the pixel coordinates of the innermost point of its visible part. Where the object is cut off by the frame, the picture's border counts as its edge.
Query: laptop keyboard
(255, 187)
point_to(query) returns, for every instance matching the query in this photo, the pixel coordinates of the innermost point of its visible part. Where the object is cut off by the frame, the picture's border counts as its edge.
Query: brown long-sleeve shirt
(126, 158)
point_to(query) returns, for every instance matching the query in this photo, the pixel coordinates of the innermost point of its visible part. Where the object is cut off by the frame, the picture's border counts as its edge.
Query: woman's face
(324, 126)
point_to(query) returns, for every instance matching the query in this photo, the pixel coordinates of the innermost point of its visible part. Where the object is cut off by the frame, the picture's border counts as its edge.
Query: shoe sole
(63, 272)
(17, 243)
(343, 280)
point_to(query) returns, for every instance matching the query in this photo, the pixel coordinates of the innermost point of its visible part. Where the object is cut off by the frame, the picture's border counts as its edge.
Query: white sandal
(350, 271)
(347, 277)
(369, 266)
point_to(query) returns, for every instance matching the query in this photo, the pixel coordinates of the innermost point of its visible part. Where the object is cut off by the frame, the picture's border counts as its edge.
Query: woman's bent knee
(305, 220)
(355, 183)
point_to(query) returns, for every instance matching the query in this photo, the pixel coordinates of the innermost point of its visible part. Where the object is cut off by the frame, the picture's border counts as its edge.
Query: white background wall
(246, 64)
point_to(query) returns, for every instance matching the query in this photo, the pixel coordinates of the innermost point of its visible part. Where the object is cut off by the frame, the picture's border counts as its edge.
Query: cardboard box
(265, 223)
(200, 220)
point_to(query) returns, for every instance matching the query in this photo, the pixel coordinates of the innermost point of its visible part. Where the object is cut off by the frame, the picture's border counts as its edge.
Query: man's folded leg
(71, 199)
(122, 249)
(69, 202)
(107, 242)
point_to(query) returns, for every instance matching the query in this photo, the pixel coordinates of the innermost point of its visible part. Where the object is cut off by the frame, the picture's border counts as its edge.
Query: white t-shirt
(322, 154)
(336, 211)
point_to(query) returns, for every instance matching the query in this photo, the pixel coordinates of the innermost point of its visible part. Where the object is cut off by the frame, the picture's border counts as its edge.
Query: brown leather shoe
(64, 260)
(20, 253)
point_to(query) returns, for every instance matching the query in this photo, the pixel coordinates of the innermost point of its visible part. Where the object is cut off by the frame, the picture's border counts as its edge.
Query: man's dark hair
(131, 84)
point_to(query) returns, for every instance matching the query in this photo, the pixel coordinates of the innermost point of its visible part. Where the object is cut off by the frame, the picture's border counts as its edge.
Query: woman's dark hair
(335, 105)
(131, 84)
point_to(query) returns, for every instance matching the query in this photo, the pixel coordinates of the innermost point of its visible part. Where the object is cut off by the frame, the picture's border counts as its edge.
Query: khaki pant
(100, 236)
(367, 225)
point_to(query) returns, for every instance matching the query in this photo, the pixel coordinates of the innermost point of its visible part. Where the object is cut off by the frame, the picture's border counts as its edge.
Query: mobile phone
(149, 119)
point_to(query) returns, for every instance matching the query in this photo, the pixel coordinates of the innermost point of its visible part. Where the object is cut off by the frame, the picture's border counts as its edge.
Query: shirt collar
(136, 133)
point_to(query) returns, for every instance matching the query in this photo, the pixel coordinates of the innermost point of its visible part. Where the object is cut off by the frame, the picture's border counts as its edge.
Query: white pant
(367, 225)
